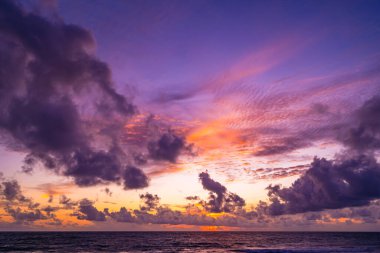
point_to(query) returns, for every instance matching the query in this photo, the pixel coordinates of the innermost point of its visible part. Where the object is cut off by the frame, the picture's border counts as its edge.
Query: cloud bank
(59, 104)
(351, 180)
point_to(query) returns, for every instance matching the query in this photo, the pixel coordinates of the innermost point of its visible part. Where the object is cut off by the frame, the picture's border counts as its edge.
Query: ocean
(263, 242)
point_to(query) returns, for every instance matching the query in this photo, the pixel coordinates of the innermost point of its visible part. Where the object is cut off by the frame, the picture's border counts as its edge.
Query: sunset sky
(189, 115)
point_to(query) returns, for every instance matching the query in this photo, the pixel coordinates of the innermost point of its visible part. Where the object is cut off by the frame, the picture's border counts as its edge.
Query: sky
(189, 115)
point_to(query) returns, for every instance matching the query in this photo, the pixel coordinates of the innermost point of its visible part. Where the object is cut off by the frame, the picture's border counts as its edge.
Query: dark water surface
(188, 242)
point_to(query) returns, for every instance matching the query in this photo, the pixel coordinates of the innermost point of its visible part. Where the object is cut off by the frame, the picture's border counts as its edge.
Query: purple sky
(197, 110)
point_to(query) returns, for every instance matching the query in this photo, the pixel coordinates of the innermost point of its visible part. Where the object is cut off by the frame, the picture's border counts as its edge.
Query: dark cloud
(220, 200)
(151, 202)
(123, 215)
(164, 215)
(61, 56)
(233, 203)
(57, 100)
(192, 198)
(167, 148)
(26, 216)
(217, 192)
(55, 222)
(351, 180)
(155, 213)
(134, 178)
(108, 191)
(313, 216)
(88, 212)
(49, 210)
(11, 191)
(66, 202)
(90, 168)
(150, 212)
(329, 185)
(160, 214)
(23, 210)
(365, 214)
(364, 134)
(140, 159)
(368, 214)
(209, 184)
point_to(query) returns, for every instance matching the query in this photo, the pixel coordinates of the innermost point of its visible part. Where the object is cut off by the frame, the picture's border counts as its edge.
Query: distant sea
(278, 242)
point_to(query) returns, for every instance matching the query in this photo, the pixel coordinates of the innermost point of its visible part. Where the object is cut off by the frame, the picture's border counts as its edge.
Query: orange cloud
(215, 134)
(218, 228)
(55, 188)
(166, 170)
